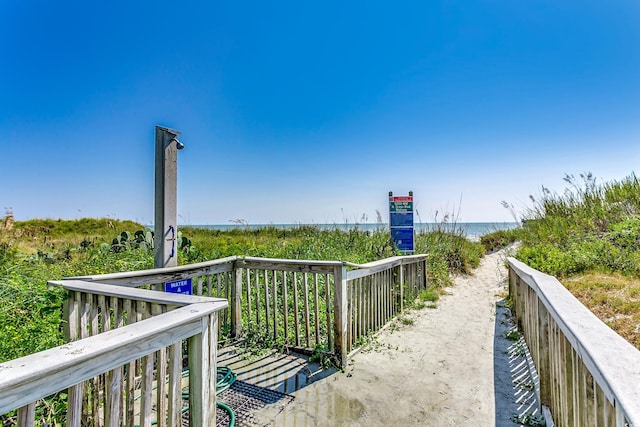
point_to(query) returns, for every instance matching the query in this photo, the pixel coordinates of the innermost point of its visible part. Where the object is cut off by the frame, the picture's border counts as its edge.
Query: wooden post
(401, 288)
(235, 303)
(166, 212)
(544, 361)
(340, 314)
(26, 415)
(202, 367)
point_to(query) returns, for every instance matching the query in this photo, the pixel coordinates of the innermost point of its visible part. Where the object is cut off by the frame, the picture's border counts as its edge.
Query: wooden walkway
(469, 371)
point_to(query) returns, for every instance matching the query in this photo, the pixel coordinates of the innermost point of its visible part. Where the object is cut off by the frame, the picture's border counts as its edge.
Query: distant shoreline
(472, 230)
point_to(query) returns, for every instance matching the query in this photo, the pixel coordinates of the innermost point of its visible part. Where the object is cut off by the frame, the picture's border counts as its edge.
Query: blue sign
(179, 287)
(401, 219)
(403, 238)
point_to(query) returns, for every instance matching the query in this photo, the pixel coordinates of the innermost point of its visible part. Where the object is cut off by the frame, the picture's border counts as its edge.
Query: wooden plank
(289, 265)
(328, 305)
(285, 307)
(212, 369)
(256, 285)
(199, 282)
(113, 406)
(402, 279)
(159, 275)
(267, 302)
(129, 308)
(161, 383)
(248, 294)
(543, 362)
(305, 291)
(316, 308)
(155, 297)
(235, 304)
(174, 410)
(201, 386)
(105, 312)
(74, 399)
(275, 305)
(26, 415)
(589, 399)
(340, 314)
(146, 397)
(294, 290)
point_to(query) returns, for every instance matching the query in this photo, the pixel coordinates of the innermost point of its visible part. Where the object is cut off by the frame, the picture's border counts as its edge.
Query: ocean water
(472, 230)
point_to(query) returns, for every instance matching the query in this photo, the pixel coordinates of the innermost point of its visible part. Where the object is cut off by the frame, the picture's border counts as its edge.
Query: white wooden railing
(589, 375)
(125, 361)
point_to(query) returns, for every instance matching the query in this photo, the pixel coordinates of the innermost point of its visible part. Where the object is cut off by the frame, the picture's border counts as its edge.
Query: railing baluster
(295, 307)
(256, 281)
(327, 309)
(285, 307)
(175, 390)
(305, 290)
(248, 293)
(275, 305)
(267, 305)
(26, 415)
(316, 308)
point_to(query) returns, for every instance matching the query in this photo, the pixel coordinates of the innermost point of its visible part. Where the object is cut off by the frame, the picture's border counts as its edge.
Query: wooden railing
(299, 304)
(123, 363)
(126, 360)
(589, 375)
(377, 292)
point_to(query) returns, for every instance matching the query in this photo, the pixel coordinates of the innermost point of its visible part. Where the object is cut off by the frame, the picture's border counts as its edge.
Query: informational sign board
(179, 287)
(401, 221)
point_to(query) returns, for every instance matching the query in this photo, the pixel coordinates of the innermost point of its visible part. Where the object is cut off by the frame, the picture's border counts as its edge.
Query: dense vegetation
(35, 251)
(588, 237)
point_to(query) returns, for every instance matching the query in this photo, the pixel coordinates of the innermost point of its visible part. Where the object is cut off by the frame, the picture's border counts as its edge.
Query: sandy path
(451, 367)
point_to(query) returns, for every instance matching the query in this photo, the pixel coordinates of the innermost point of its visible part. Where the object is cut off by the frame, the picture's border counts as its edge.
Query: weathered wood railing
(300, 304)
(589, 375)
(126, 362)
(377, 292)
(124, 359)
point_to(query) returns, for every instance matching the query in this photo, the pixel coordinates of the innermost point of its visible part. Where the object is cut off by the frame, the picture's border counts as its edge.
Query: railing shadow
(285, 373)
(515, 378)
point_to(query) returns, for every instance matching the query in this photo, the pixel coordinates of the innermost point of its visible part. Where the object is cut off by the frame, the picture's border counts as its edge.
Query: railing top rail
(157, 275)
(300, 265)
(405, 259)
(38, 375)
(290, 261)
(362, 270)
(613, 361)
(153, 272)
(155, 297)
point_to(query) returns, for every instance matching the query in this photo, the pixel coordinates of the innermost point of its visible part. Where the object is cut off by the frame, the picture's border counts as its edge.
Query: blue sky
(296, 112)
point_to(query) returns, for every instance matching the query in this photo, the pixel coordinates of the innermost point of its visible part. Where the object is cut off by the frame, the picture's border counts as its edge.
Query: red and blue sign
(401, 222)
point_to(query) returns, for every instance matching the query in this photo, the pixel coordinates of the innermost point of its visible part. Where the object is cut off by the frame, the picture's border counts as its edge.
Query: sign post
(401, 222)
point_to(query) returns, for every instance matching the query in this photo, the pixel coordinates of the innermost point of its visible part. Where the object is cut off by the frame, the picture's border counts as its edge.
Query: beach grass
(588, 237)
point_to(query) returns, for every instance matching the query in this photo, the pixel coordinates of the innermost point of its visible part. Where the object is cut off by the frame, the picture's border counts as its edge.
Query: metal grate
(245, 399)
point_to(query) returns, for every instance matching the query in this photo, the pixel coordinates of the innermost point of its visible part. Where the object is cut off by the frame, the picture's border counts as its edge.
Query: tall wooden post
(166, 210)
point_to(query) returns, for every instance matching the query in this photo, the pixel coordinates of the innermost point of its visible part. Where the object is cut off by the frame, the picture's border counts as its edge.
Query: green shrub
(499, 239)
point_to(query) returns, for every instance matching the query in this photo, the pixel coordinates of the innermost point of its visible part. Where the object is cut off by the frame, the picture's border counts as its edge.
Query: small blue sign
(403, 238)
(401, 219)
(179, 287)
